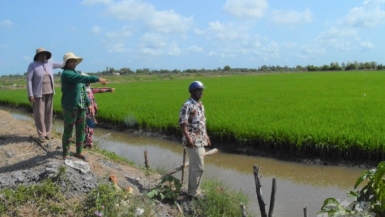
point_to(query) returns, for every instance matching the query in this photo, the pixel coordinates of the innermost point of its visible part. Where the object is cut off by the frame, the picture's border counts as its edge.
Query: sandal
(84, 158)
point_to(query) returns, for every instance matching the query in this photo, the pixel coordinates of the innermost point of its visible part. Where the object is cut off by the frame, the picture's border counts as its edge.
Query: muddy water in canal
(298, 185)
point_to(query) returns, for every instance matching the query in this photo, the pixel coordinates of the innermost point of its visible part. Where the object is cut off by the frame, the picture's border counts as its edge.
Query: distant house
(116, 73)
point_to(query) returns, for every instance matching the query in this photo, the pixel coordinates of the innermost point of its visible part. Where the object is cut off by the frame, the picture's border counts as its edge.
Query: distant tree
(264, 68)
(227, 68)
(367, 65)
(343, 65)
(335, 66)
(299, 68)
(311, 68)
(325, 68)
(373, 65)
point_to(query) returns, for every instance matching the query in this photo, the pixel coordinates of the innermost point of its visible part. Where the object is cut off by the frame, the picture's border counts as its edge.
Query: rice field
(335, 114)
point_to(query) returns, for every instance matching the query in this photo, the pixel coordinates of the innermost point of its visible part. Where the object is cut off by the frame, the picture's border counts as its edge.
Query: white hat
(42, 50)
(70, 55)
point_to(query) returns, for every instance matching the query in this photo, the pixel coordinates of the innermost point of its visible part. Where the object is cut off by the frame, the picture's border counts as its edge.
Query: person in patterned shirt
(192, 122)
(89, 130)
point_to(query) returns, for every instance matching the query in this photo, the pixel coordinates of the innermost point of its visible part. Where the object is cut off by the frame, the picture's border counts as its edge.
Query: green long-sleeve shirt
(72, 84)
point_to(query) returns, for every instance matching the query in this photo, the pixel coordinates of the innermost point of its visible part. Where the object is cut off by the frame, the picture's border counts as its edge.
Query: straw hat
(42, 50)
(70, 55)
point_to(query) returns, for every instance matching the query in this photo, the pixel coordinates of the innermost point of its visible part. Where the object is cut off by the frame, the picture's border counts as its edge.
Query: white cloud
(160, 21)
(169, 21)
(225, 32)
(149, 51)
(6, 23)
(124, 32)
(246, 8)
(338, 38)
(117, 48)
(374, 2)
(289, 45)
(131, 10)
(366, 45)
(195, 48)
(96, 30)
(312, 50)
(152, 40)
(291, 16)
(153, 44)
(115, 40)
(92, 2)
(370, 15)
(174, 50)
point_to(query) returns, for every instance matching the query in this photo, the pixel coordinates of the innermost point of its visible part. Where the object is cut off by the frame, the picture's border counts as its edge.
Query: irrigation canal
(298, 185)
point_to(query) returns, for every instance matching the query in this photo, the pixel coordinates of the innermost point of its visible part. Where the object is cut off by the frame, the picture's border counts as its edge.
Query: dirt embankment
(25, 162)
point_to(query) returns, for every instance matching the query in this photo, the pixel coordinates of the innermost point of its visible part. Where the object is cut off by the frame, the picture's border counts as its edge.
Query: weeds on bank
(220, 202)
(106, 201)
(217, 202)
(46, 197)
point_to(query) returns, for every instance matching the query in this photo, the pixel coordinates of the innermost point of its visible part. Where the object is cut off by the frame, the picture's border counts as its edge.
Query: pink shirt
(35, 76)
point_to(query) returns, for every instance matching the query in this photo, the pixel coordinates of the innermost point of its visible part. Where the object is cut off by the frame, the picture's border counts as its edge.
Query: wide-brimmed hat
(71, 55)
(42, 50)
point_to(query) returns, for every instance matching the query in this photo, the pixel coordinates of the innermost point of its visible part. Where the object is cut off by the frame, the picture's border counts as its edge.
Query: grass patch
(221, 202)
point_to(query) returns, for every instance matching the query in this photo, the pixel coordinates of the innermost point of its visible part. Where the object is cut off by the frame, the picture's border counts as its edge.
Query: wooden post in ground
(305, 211)
(272, 198)
(146, 159)
(259, 192)
(183, 165)
(243, 209)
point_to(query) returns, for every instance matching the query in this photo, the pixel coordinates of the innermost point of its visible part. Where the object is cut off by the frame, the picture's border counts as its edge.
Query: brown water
(298, 185)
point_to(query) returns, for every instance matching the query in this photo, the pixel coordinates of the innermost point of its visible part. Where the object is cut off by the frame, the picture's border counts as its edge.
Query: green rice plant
(333, 114)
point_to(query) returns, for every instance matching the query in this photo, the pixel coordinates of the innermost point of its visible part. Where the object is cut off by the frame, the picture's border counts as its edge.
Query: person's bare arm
(189, 142)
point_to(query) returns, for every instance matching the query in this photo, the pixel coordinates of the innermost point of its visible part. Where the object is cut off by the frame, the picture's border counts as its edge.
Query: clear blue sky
(191, 34)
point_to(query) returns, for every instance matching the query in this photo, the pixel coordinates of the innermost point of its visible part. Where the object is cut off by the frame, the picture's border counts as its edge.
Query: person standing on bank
(192, 122)
(74, 102)
(40, 87)
(89, 131)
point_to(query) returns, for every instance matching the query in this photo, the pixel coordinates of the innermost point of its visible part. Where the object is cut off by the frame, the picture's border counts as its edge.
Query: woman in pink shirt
(40, 86)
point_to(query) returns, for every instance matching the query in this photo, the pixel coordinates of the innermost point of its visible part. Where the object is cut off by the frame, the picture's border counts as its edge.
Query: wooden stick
(146, 159)
(41, 145)
(305, 211)
(272, 198)
(183, 165)
(209, 153)
(259, 192)
(243, 209)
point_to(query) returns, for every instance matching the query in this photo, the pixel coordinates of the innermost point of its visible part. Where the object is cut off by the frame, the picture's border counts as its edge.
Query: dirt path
(23, 161)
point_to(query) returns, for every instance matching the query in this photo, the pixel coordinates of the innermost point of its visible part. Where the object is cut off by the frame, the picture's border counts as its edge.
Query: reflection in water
(298, 185)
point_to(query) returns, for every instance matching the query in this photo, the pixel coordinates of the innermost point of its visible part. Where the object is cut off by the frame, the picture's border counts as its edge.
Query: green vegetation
(369, 201)
(333, 114)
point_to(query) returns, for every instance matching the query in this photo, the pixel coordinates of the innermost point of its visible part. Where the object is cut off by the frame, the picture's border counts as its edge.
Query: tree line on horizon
(333, 66)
